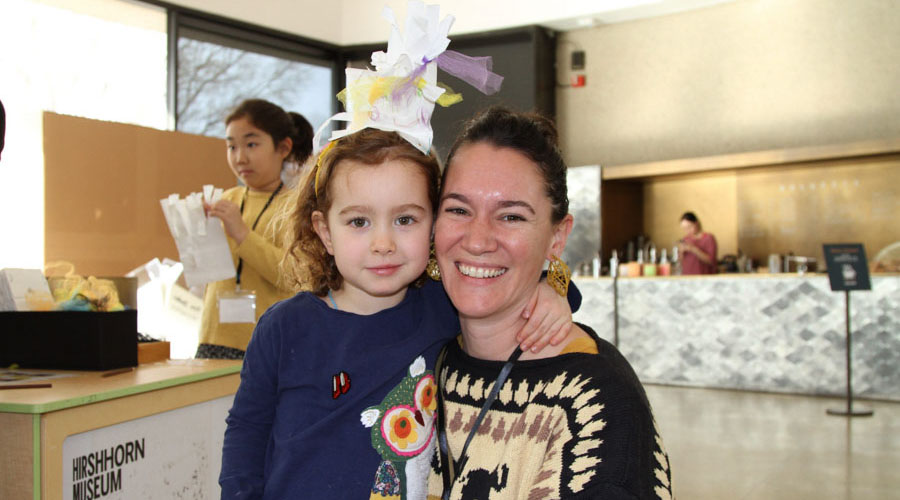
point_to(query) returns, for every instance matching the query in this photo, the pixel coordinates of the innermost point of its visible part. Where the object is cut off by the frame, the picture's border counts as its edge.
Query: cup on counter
(774, 263)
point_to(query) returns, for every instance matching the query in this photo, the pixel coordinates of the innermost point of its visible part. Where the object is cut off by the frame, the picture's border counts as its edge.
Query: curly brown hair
(308, 265)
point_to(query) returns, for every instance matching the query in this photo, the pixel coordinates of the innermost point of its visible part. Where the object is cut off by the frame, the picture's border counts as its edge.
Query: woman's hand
(230, 215)
(549, 319)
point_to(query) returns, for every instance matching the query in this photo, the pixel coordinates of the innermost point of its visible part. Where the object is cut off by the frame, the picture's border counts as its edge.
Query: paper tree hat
(400, 94)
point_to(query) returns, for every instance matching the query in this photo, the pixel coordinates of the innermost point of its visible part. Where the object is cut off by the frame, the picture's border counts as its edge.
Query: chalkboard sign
(847, 267)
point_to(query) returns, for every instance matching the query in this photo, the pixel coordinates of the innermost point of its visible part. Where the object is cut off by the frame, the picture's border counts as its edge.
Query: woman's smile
(481, 272)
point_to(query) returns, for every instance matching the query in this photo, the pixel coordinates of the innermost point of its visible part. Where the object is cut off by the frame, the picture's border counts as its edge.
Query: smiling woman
(590, 431)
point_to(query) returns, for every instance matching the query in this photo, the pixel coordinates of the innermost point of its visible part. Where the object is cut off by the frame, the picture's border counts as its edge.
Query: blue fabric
(287, 435)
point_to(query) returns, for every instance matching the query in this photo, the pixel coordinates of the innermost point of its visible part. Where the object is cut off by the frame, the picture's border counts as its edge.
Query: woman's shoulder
(606, 367)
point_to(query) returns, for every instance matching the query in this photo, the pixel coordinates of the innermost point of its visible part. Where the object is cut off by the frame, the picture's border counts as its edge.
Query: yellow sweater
(261, 252)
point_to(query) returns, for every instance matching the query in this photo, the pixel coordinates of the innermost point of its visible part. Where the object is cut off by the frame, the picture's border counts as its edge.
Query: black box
(69, 340)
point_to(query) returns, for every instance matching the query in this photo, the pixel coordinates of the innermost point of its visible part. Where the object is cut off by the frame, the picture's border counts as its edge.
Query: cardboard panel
(102, 186)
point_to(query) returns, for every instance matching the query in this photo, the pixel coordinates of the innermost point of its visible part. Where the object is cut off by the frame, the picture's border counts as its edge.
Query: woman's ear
(320, 225)
(560, 236)
(285, 147)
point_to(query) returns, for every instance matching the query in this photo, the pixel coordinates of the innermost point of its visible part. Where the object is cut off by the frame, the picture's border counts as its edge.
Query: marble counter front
(781, 333)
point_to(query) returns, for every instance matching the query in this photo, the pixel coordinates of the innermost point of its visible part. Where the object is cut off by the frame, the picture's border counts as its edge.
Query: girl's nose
(382, 242)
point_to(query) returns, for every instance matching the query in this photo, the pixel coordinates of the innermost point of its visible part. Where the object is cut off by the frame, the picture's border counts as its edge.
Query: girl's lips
(384, 270)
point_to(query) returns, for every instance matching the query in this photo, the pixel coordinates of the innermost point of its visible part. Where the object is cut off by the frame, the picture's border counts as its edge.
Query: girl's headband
(400, 94)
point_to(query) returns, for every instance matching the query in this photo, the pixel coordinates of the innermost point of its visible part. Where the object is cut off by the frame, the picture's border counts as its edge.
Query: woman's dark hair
(278, 123)
(530, 134)
(307, 263)
(691, 217)
(2, 126)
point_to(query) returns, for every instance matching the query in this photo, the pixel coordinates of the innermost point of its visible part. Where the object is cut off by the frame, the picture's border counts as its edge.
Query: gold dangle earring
(432, 269)
(558, 275)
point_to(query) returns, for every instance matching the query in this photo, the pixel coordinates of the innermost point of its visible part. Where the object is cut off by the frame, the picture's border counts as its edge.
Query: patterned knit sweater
(575, 426)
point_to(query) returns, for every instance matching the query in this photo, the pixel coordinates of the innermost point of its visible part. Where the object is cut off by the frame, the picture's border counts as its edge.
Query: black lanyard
(449, 472)
(240, 266)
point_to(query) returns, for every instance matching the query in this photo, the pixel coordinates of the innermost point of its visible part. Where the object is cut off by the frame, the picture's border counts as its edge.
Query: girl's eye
(405, 220)
(358, 222)
(512, 218)
(251, 144)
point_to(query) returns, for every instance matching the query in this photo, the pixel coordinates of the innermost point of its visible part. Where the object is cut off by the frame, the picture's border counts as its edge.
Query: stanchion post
(849, 411)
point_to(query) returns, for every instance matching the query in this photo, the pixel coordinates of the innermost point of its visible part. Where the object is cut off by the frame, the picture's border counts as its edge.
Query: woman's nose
(479, 237)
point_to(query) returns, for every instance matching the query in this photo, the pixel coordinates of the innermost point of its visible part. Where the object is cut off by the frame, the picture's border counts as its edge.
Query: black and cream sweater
(575, 426)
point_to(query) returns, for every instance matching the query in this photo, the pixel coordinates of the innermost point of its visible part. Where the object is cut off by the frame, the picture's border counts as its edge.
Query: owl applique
(403, 434)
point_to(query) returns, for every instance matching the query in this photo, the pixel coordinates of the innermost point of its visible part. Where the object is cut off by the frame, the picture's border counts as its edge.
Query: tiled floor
(744, 445)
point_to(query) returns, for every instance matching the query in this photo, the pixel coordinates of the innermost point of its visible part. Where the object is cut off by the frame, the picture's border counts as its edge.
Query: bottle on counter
(614, 264)
(676, 262)
(634, 268)
(664, 268)
(649, 268)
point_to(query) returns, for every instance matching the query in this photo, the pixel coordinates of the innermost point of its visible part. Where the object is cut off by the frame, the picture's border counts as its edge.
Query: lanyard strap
(240, 266)
(449, 471)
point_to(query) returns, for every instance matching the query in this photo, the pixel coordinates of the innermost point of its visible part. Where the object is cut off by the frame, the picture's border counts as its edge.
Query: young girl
(261, 138)
(337, 395)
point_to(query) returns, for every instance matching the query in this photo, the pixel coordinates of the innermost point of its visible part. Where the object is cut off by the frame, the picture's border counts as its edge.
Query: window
(220, 65)
(104, 60)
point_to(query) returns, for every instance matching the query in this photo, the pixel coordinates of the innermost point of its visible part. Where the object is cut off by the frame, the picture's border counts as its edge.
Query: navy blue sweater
(310, 372)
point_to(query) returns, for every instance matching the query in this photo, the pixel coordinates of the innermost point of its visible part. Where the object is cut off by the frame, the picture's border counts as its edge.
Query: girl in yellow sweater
(261, 139)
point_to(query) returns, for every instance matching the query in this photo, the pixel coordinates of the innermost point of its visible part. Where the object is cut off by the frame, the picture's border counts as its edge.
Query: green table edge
(116, 393)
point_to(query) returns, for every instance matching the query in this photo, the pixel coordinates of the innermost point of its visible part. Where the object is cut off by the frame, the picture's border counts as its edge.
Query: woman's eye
(512, 218)
(358, 222)
(455, 210)
(405, 220)
(251, 144)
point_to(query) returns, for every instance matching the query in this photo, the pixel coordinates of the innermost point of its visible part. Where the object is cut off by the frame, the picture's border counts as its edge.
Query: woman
(698, 249)
(569, 422)
(263, 142)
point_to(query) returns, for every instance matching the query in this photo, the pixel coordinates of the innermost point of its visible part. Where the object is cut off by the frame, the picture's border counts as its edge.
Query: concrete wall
(743, 76)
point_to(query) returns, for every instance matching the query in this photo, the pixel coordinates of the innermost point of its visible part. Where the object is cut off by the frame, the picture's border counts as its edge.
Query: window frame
(240, 35)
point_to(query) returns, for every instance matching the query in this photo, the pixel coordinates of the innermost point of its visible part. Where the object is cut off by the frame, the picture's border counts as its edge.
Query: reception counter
(767, 332)
(151, 432)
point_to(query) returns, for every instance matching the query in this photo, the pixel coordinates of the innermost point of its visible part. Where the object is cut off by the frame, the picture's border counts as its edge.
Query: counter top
(90, 387)
(726, 276)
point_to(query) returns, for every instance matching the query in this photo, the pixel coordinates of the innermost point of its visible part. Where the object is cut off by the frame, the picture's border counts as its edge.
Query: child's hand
(230, 215)
(549, 319)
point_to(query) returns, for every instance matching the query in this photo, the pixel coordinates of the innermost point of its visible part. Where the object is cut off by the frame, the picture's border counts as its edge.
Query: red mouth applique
(340, 384)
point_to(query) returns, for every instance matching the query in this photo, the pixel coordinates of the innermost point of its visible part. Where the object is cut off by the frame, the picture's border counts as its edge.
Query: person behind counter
(571, 421)
(261, 139)
(698, 249)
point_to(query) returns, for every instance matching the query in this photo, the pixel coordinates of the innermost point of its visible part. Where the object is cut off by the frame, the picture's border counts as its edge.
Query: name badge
(238, 306)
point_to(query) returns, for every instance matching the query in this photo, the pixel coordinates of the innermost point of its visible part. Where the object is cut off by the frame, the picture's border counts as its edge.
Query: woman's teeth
(480, 272)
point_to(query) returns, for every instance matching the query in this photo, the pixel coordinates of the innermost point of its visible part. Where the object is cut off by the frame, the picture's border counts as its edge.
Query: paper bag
(201, 242)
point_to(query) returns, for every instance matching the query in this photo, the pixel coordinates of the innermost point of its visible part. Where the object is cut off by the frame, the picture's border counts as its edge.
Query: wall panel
(103, 182)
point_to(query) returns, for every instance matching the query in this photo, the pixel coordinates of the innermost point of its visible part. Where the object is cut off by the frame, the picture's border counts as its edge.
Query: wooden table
(35, 424)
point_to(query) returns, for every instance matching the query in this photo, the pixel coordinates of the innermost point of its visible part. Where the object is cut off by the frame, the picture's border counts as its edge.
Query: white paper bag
(201, 242)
